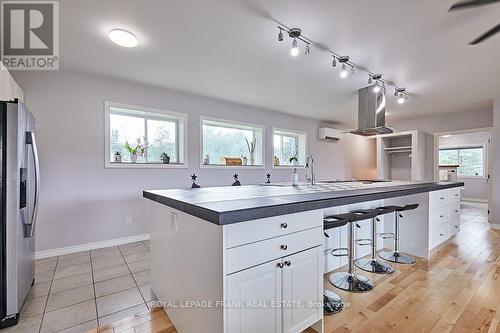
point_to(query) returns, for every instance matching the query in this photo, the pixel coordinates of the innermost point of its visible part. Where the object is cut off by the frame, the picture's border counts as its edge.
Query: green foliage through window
(469, 159)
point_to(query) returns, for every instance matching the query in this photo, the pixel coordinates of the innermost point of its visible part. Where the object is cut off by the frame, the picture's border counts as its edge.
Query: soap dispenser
(295, 177)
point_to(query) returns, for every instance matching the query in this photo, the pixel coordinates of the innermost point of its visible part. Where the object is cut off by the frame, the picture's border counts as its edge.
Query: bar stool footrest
(363, 241)
(340, 252)
(387, 235)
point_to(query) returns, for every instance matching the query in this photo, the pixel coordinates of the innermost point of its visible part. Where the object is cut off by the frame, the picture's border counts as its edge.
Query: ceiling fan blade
(471, 4)
(486, 35)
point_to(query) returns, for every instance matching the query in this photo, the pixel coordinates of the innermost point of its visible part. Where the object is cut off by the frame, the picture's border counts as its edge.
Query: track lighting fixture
(347, 67)
(294, 51)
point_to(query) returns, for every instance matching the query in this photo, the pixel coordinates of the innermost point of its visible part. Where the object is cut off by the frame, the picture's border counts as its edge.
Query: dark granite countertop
(231, 204)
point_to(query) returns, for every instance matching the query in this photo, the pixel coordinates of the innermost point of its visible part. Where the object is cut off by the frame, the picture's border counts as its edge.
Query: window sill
(471, 177)
(222, 166)
(288, 166)
(129, 165)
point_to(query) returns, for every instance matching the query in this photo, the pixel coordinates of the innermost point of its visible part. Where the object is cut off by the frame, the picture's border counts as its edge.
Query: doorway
(465, 156)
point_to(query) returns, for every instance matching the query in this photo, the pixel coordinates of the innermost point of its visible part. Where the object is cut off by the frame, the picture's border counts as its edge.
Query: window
(152, 133)
(231, 143)
(289, 148)
(470, 160)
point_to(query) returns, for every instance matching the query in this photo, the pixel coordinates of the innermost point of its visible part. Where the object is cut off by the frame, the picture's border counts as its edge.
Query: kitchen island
(252, 258)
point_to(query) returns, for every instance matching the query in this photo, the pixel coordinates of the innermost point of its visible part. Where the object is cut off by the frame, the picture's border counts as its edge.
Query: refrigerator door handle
(31, 140)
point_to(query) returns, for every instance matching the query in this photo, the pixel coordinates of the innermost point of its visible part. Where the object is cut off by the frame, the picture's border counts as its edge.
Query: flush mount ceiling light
(348, 67)
(296, 35)
(123, 38)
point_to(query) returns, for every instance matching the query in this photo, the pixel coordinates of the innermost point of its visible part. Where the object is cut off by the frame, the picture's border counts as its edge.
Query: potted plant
(139, 149)
(165, 159)
(293, 160)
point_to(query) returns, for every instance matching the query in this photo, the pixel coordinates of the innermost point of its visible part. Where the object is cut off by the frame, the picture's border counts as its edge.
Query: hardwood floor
(458, 290)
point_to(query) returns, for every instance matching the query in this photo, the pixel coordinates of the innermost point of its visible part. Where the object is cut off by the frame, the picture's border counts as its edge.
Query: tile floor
(77, 292)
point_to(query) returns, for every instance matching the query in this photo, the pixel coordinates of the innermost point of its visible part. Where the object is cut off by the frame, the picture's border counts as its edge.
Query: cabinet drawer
(454, 211)
(256, 230)
(438, 216)
(439, 198)
(453, 227)
(438, 235)
(455, 194)
(241, 257)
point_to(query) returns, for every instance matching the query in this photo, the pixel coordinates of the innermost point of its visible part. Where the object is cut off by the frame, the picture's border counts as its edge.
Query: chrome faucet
(310, 165)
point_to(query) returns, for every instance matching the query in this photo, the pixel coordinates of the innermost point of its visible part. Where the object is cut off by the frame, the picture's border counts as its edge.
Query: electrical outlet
(173, 220)
(128, 221)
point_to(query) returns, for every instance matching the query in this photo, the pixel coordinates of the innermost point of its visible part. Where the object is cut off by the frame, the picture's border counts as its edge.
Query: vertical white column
(495, 170)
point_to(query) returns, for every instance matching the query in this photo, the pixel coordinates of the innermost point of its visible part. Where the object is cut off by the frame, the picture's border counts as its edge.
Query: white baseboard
(495, 226)
(90, 246)
(475, 200)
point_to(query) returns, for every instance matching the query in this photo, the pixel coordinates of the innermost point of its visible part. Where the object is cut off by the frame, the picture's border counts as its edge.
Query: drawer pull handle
(441, 216)
(456, 195)
(280, 265)
(456, 227)
(288, 263)
(284, 247)
(456, 210)
(284, 225)
(441, 235)
(441, 198)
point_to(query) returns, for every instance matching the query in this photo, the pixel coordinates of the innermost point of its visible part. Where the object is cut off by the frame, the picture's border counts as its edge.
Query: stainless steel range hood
(371, 113)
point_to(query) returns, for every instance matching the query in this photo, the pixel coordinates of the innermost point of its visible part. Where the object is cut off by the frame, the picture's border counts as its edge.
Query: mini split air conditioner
(329, 134)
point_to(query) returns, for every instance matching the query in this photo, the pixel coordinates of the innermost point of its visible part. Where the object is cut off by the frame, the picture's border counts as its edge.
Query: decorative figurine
(236, 181)
(268, 176)
(193, 178)
(117, 157)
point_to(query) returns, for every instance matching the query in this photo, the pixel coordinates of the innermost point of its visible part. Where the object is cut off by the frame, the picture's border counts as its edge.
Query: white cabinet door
(253, 295)
(302, 290)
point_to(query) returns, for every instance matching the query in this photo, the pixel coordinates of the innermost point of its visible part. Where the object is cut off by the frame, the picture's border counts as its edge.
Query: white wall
(83, 202)
(475, 188)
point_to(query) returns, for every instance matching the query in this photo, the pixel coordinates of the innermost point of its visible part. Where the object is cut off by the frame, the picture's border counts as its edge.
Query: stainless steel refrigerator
(20, 178)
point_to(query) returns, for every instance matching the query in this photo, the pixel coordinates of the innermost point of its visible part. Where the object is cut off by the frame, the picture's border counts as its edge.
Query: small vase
(251, 159)
(133, 158)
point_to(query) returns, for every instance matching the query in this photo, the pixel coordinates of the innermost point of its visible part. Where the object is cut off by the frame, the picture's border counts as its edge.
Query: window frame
(464, 147)
(292, 134)
(181, 135)
(236, 124)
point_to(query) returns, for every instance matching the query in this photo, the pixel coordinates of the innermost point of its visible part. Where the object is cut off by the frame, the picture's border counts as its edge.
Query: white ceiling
(228, 49)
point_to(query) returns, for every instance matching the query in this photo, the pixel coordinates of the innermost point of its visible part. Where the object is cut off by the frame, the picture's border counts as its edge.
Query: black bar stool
(349, 280)
(371, 264)
(332, 303)
(395, 255)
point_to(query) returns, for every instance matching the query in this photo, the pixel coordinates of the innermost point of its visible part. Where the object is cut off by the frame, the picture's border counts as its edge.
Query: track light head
(370, 79)
(294, 51)
(343, 72)
(396, 92)
(376, 87)
(401, 98)
(334, 61)
(351, 71)
(308, 49)
(280, 35)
